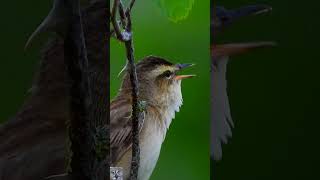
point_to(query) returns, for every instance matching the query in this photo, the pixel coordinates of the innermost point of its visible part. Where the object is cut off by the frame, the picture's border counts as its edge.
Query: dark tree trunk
(89, 125)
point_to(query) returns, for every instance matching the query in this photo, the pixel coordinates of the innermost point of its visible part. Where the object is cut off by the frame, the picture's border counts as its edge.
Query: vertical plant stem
(135, 111)
(125, 16)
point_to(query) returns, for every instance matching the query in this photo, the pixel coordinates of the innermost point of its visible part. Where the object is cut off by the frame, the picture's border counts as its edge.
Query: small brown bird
(160, 88)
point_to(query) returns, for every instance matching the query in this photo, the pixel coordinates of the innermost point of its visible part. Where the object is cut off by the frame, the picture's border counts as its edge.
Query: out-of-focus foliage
(176, 10)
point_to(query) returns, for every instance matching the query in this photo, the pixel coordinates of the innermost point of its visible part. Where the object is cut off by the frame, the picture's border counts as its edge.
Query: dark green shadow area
(18, 20)
(185, 152)
(274, 95)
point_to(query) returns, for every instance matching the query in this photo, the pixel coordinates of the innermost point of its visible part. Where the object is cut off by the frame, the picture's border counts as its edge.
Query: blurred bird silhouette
(33, 141)
(221, 120)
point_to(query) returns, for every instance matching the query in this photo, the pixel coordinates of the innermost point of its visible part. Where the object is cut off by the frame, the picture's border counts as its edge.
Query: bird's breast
(151, 141)
(151, 138)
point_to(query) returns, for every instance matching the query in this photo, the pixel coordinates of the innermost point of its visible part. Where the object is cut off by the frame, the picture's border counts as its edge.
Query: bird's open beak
(238, 48)
(179, 68)
(234, 49)
(180, 77)
(183, 66)
(223, 17)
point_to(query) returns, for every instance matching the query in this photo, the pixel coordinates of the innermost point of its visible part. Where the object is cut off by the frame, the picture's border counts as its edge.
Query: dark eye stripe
(167, 74)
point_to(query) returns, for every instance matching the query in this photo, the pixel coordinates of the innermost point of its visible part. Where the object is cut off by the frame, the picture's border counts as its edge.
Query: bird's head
(222, 18)
(159, 81)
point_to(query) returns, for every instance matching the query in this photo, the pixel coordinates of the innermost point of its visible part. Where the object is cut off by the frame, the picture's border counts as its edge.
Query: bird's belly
(150, 146)
(149, 156)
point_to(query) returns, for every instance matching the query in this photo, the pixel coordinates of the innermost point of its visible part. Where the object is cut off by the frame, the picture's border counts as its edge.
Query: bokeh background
(274, 95)
(185, 152)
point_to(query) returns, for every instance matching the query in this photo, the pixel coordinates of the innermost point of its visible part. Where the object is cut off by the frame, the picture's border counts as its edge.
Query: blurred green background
(274, 95)
(185, 152)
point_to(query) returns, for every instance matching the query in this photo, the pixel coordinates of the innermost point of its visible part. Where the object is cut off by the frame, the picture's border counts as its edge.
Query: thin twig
(129, 24)
(126, 37)
(135, 103)
(122, 15)
(114, 19)
(130, 6)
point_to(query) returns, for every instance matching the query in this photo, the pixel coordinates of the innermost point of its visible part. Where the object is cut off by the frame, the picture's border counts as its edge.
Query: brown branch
(126, 37)
(114, 19)
(135, 104)
(122, 15)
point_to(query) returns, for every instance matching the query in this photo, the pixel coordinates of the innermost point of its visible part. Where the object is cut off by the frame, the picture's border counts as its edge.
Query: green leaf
(176, 10)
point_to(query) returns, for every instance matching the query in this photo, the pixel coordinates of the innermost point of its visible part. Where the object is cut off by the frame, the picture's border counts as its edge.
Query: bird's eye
(167, 74)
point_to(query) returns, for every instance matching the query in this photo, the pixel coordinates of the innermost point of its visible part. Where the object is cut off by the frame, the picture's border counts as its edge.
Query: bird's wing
(221, 121)
(121, 127)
